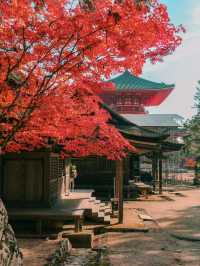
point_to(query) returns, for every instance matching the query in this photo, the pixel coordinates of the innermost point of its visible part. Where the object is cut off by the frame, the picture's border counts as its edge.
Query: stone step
(97, 202)
(101, 205)
(96, 210)
(92, 212)
(96, 215)
(88, 204)
(106, 210)
(107, 219)
(101, 215)
(92, 199)
(99, 219)
(104, 207)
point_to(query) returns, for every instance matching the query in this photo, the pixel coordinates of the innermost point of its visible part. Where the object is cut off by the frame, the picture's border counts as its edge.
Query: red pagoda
(133, 94)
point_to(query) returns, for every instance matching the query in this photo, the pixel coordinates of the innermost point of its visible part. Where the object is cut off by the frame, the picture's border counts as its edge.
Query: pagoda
(133, 94)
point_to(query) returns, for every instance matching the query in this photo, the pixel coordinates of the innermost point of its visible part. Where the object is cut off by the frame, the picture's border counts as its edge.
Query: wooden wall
(31, 179)
(56, 177)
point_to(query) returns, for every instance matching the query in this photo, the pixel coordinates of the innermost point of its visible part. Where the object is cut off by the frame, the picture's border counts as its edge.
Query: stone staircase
(96, 211)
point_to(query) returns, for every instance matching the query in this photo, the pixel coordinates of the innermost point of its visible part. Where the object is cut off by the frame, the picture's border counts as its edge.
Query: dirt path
(158, 247)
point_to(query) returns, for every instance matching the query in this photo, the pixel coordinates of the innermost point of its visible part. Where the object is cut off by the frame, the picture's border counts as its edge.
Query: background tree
(192, 139)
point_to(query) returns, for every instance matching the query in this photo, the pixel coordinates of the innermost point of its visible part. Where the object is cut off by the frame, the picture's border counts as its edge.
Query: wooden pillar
(39, 227)
(157, 170)
(66, 176)
(160, 174)
(154, 170)
(116, 187)
(78, 224)
(131, 162)
(119, 181)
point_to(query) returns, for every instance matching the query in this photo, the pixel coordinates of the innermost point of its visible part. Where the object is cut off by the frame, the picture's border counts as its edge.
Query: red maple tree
(190, 163)
(54, 55)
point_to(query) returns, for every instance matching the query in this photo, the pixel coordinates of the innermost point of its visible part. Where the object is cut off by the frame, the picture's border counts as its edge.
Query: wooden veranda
(34, 188)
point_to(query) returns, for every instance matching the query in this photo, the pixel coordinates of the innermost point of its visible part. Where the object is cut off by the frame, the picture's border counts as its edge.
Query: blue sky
(183, 67)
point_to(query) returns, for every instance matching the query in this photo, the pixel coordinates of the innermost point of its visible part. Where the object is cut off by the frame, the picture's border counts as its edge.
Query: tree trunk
(10, 254)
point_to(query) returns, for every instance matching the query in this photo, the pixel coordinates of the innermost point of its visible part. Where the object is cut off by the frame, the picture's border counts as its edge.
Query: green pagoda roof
(128, 81)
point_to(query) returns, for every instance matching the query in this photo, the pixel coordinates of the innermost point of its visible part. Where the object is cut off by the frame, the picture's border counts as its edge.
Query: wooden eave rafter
(151, 139)
(170, 147)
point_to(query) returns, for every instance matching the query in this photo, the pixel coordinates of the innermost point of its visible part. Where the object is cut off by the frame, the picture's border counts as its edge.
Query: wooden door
(23, 181)
(33, 175)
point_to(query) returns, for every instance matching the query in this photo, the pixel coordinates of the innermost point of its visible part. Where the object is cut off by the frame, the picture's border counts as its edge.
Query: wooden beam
(160, 174)
(119, 180)
(77, 224)
(154, 170)
(116, 187)
(39, 227)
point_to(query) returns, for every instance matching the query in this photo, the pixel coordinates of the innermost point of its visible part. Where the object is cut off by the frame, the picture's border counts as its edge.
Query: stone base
(61, 253)
(79, 240)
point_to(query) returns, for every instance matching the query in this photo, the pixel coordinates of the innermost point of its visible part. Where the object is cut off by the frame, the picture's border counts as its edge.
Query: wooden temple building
(34, 185)
(100, 174)
(170, 124)
(133, 94)
(130, 98)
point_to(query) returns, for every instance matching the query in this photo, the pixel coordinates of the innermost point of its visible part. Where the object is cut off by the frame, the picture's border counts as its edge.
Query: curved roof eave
(127, 81)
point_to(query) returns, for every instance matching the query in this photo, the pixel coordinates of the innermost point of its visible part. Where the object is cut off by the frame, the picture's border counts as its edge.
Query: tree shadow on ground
(159, 247)
(186, 221)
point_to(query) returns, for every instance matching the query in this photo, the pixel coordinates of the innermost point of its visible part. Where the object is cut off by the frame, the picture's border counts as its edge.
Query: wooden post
(160, 174)
(157, 175)
(78, 224)
(119, 181)
(116, 187)
(154, 171)
(131, 162)
(39, 227)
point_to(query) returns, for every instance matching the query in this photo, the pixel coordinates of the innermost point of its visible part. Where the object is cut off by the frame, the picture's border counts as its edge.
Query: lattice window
(56, 167)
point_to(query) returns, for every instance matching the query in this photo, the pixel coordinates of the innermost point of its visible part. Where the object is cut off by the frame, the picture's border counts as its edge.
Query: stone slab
(79, 240)
(145, 217)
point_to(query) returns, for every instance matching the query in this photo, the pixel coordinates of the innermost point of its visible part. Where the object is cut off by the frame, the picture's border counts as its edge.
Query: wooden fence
(179, 179)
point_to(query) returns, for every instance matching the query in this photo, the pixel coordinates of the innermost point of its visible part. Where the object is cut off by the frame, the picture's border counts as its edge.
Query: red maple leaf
(53, 57)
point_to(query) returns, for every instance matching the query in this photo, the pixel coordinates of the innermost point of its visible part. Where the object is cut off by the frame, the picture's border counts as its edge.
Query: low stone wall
(10, 254)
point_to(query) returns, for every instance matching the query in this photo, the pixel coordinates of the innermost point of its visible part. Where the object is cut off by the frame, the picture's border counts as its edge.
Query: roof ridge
(144, 79)
(128, 75)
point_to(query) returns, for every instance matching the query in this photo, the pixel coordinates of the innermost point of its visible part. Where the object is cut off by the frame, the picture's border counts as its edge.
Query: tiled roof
(155, 120)
(140, 136)
(128, 127)
(128, 81)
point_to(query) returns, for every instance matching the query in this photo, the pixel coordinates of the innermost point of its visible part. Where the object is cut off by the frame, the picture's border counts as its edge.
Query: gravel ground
(179, 216)
(158, 247)
(36, 253)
